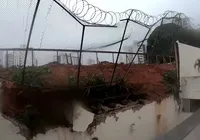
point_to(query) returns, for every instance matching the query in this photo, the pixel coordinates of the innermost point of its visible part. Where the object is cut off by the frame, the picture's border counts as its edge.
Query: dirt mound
(145, 78)
(144, 83)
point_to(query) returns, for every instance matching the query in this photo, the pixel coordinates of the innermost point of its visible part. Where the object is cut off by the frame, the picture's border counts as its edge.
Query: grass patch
(32, 76)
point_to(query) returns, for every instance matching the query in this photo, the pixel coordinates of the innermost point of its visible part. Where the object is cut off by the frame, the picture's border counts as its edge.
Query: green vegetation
(163, 38)
(32, 76)
(95, 80)
(72, 80)
(86, 81)
(171, 81)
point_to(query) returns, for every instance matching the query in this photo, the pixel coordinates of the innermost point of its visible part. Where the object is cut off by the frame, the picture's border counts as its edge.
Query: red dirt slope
(145, 78)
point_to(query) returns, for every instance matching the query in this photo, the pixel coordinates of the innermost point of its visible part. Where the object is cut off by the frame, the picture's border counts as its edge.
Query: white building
(16, 58)
(9, 60)
(66, 58)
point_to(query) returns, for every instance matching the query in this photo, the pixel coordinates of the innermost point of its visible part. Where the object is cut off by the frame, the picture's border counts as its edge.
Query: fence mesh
(67, 39)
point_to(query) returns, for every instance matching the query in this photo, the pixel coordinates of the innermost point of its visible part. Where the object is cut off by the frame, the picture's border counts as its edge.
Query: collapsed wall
(144, 124)
(95, 115)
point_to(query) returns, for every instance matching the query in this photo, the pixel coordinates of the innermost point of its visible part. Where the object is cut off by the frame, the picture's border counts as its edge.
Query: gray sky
(63, 32)
(15, 19)
(152, 7)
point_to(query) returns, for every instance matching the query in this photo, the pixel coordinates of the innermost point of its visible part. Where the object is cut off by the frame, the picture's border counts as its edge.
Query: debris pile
(48, 105)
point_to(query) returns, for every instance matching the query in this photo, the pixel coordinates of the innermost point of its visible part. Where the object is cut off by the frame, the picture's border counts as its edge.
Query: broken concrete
(129, 124)
(81, 118)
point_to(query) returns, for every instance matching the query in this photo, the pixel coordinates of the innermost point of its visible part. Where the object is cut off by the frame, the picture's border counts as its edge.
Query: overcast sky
(153, 7)
(62, 31)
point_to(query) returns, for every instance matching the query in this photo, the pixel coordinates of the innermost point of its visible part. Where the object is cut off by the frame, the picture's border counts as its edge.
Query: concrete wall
(189, 75)
(145, 124)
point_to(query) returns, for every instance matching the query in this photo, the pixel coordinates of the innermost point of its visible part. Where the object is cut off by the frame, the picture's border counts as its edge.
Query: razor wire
(94, 15)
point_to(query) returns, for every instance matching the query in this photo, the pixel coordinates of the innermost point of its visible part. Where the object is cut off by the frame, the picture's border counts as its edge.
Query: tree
(163, 38)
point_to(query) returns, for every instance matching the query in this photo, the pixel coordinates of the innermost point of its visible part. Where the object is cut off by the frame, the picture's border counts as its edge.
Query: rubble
(54, 101)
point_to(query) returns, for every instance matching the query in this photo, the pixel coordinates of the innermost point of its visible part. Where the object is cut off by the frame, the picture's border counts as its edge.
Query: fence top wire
(90, 14)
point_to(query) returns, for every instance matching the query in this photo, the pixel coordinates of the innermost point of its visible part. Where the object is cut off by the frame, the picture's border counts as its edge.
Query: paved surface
(189, 129)
(194, 135)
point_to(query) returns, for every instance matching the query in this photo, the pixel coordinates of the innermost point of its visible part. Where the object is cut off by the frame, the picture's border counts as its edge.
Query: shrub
(171, 81)
(95, 80)
(31, 76)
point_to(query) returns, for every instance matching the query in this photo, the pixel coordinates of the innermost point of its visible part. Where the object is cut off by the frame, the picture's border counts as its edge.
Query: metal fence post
(121, 43)
(137, 52)
(67, 58)
(81, 48)
(70, 56)
(29, 38)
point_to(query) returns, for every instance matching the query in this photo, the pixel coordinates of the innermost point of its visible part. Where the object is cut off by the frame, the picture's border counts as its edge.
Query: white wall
(188, 56)
(189, 76)
(145, 124)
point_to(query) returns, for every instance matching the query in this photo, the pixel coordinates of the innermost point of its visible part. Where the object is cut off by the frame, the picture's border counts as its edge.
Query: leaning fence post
(121, 43)
(29, 38)
(136, 53)
(81, 48)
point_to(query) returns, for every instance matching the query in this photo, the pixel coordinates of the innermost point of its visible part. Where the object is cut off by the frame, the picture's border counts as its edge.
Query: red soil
(144, 78)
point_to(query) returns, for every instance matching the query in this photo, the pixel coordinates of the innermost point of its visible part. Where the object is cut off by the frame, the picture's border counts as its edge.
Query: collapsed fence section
(80, 42)
(54, 64)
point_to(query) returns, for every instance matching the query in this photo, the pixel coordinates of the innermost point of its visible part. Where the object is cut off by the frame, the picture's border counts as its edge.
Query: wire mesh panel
(60, 27)
(59, 51)
(63, 34)
(107, 38)
(55, 28)
(135, 45)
